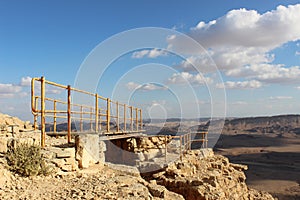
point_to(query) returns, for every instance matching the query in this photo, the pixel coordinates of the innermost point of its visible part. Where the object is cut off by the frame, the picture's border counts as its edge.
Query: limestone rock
(202, 175)
(87, 150)
(3, 144)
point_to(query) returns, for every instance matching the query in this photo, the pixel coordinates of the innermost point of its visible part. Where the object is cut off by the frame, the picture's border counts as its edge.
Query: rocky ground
(194, 178)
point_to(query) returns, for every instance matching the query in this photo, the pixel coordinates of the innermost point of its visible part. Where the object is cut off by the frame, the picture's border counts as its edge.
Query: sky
(253, 46)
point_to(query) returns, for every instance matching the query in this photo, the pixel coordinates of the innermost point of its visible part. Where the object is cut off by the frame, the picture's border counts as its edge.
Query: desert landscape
(266, 149)
(118, 100)
(269, 146)
(200, 174)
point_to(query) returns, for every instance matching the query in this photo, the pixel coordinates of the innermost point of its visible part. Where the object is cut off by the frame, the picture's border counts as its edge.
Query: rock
(48, 154)
(156, 190)
(202, 175)
(3, 144)
(140, 156)
(67, 168)
(239, 167)
(58, 162)
(162, 192)
(71, 151)
(62, 153)
(5, 177)
(87, 149)
(102, 146)
(152, 153)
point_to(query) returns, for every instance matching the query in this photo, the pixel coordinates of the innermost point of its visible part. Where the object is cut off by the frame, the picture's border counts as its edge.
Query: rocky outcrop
(12, 125)
(198, 177)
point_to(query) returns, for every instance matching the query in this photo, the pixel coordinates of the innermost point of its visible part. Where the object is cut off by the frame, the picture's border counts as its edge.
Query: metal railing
(95, 115)
(186, 142)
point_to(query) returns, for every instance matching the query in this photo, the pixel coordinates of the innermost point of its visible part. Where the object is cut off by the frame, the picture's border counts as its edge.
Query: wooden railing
(188, 139)
(185, 141)
(96, 115)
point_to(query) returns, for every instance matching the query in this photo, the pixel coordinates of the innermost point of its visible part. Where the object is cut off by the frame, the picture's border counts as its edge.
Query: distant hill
(272, 124)
(269, 124)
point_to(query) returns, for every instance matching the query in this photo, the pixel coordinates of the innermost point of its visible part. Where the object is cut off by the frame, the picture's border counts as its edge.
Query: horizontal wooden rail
(42, 106)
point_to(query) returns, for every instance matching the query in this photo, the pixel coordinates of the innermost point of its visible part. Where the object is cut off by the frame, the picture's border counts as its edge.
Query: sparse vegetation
(27, 160)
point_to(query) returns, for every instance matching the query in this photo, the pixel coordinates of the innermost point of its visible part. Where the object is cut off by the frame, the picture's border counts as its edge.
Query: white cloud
(298, 44)
(158, 103)
(11, 91)
(240, 43)
(298, 87)
(6, 95)
(145, 87)
(132, 85)
(9, 88)
(253, 84)
(225, 58)
(239, 103)
(25, 81)
(151, 53)
(54, 91)
(185, 78)
(248, 28)
(280, 97)
(297, 53)
(268, 73)
(201, 102)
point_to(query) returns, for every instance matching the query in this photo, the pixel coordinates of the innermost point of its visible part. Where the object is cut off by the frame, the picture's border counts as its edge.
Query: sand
(273, 161)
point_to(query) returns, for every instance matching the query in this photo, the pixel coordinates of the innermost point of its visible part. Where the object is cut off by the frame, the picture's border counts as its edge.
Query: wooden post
(136, 119)
(131, 119)
(183, 141)
(69, 114)
(118, 119)
(54, 117)
(125, 117)
(108, 115)
(100, 120)
(35, 117)
(81, 120)
(43, 120)
(190, 141)
(206, 139)
(203, 139)
(91, 119)
(35, 121)
(186, 141)
(180, 147)
(96, 114)
(166, 148)
(141, 120)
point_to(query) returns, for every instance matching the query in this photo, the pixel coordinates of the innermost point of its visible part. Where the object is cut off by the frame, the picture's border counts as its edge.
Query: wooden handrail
(79, 111)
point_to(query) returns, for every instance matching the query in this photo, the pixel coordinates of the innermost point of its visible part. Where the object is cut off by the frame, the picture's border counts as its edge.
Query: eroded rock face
(9, 124)
(211, 177)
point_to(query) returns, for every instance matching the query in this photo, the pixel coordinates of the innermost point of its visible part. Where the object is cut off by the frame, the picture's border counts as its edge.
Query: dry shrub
(27, 160)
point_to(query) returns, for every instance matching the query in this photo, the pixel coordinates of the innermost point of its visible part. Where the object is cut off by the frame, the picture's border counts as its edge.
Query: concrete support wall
(119, 152)
(89, 150)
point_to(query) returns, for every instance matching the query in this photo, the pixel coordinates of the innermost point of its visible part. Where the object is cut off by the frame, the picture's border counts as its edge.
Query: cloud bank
(240, 43)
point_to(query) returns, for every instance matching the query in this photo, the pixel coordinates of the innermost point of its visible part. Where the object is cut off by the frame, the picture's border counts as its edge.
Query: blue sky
(52, 38)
